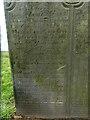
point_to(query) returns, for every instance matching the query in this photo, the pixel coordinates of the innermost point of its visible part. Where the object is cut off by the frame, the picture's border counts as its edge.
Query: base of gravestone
(20, 117)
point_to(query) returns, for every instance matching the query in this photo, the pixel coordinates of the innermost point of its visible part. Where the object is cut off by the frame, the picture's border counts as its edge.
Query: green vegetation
(7, 88)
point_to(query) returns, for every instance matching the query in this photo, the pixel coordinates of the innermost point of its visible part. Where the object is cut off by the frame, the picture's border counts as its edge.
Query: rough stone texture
(48, 44)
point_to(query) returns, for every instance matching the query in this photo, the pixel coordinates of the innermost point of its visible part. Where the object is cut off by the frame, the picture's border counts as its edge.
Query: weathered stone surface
(48, 44)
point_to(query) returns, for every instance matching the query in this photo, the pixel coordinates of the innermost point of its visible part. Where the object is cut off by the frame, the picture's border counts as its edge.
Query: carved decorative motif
(9, 5)
(74, 4)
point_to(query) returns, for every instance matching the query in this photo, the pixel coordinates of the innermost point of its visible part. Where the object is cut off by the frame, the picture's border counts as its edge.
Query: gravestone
(48, 45)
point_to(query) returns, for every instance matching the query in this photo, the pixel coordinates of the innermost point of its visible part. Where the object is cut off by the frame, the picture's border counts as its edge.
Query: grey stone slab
(48, 44)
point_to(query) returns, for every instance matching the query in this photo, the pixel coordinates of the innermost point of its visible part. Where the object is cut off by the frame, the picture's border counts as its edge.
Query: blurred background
(4, 45)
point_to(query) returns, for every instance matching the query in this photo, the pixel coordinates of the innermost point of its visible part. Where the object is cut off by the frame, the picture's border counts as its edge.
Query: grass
(7, 96)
